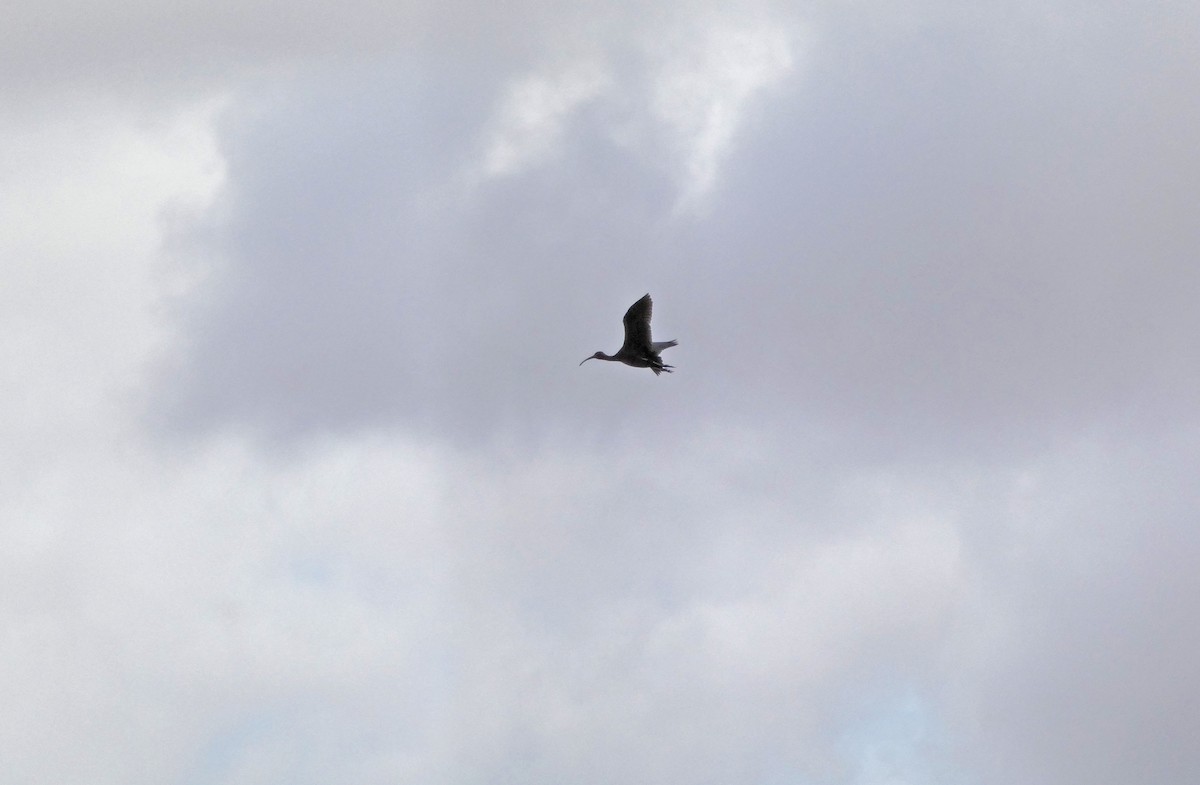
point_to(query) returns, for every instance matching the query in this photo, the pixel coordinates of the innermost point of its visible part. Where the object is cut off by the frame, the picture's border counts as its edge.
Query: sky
(301, 480)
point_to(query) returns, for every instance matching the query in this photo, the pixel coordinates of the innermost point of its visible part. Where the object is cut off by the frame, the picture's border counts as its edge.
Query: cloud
(934, 250)
(531, 117)
(702, 90)
(1081, 674)
(685, 93)
(303, 482)
(373, 607)
(81, 245)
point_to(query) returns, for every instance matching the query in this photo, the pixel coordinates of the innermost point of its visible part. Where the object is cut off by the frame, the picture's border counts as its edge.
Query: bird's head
(596, 356)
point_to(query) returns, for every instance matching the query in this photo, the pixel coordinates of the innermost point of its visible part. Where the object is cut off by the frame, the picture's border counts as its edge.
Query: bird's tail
(660, 345)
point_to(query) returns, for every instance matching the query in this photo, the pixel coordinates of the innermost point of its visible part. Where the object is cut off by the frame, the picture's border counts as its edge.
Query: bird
(638, 350)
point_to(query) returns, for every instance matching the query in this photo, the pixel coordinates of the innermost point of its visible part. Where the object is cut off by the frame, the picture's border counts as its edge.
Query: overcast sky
(301, 481)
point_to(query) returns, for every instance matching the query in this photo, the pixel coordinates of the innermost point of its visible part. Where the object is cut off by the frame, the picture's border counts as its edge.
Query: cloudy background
(300, 481)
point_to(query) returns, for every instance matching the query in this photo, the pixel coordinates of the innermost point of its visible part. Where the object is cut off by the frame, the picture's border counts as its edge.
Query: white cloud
(707, 84)
(811, 554)
(534, 114)
(687, 91)
(164, 599)
(88, 200)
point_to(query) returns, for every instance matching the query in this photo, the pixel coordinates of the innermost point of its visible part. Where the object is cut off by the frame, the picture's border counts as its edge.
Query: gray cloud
(915, 506)
(1081, 678)
(917, 238)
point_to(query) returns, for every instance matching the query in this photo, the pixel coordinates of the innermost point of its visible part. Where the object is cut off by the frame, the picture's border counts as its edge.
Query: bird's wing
(637, 325)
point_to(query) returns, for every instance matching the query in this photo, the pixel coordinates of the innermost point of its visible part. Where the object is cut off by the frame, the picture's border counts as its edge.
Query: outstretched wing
(637, 326)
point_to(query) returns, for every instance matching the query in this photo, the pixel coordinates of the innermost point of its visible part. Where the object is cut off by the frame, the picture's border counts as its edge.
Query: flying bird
(638, 350)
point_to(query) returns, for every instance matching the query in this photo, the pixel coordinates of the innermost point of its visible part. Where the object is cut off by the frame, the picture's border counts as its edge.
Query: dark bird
(638, 350)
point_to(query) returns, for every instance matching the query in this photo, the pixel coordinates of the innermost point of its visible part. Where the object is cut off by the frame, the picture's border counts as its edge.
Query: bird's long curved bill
(585, 359)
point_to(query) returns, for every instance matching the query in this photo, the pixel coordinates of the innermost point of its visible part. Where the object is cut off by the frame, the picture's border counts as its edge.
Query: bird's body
(638, 350)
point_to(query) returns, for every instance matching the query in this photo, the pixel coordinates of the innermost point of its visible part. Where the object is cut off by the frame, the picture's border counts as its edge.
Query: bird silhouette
(638, 350)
